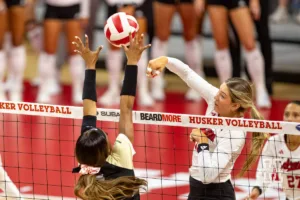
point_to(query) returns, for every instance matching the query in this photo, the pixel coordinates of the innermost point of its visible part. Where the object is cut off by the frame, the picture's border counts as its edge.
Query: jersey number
(291, 181)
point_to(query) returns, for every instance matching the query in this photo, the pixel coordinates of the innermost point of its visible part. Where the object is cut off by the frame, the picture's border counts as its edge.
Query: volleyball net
(37, 150)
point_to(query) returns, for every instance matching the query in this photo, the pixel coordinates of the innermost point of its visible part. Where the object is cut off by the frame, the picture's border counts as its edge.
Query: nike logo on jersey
(281, 151)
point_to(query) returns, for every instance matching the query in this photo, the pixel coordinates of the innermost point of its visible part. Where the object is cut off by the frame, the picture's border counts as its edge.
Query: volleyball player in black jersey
(107, 172)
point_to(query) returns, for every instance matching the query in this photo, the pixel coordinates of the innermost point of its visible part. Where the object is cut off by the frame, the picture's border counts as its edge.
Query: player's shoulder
(123, 138)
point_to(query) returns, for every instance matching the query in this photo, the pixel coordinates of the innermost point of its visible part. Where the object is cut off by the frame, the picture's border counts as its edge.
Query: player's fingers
(137, 39)
(86, 41)
(76, 44)
(141, 40)
(149, 71)
(79, 41)
(146, 47)
(130, 38)
(99, 49)
(79, 52)
(124, 47)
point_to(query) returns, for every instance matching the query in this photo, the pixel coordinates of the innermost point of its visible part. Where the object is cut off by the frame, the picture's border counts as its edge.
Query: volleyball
(117, 28)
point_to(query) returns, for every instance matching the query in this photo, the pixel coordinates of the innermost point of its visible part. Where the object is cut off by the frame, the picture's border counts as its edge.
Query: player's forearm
(128, 93)
(89, 96)
(191, 78)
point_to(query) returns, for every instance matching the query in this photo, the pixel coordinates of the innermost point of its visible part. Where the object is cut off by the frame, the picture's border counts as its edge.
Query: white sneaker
(54, 87)
(110, 97)
(263, 99)
(9, 83)
(145, 98)
(16, 96)
(192, 95)
(280, 15)
(43, 97)
(157, 90)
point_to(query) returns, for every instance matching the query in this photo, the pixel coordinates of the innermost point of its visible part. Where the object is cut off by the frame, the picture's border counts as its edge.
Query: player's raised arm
(133, 54)
(89, 95)
(191, 78)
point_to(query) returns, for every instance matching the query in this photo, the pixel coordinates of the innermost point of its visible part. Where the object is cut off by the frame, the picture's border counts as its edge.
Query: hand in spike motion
(90, 57)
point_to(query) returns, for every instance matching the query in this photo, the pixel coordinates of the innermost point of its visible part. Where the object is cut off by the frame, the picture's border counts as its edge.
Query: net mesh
(38, 153)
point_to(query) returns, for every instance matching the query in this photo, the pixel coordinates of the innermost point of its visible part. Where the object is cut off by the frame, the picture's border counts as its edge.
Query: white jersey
(278, 163)
(120, 2)
(215, 165)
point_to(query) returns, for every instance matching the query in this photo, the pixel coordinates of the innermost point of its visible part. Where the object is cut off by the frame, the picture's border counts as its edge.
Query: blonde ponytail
(89, 188)
(258, 140)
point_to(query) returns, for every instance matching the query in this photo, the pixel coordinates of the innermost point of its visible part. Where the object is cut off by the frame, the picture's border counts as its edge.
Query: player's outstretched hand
(135, 50)
(90, 57)
(156, 66)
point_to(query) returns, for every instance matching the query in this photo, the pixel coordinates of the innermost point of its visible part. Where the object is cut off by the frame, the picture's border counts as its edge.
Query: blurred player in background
(70, 16)
(263, 33)
(239, 14)
(142, 11)
(282, 153)
(12, 20)
(163, 14)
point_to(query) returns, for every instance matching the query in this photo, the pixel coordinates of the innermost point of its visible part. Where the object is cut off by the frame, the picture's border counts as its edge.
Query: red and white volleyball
(117, 28)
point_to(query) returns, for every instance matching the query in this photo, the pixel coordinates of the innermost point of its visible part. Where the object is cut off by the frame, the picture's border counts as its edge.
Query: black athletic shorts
(174, 2)
(212, 191)
(229, 4)
(10, 3)
(63, 13)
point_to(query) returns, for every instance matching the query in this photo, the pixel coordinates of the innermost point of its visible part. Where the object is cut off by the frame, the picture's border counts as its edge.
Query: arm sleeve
(88, 123)
(211, 165)
(192, 79)
(265, 168)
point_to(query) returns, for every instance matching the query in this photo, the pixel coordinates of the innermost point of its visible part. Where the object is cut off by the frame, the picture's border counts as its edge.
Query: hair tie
(85, 169)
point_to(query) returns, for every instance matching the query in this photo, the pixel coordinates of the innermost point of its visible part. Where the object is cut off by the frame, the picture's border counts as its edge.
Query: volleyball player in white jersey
(164, 11)
(282, 154)
(114, 56)
(12, 19)
(7, 186)
(61, 15)
(213, 159)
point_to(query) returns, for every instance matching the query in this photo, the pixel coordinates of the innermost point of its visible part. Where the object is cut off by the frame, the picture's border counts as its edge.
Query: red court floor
(38, 152)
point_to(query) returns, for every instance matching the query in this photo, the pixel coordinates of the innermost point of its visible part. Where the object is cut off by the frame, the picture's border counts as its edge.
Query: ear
(235, 106)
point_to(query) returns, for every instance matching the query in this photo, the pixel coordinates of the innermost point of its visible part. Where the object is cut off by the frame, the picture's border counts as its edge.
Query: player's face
(223, 103)
(292, 113)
